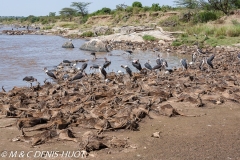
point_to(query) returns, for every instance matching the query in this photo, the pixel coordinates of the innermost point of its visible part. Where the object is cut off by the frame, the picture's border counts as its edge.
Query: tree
(81, 7)
(222, 5)
(52, 14)
(191, 4)
(106, 10)
(155, 7)
(121, 7)
(137, 4)
(68, 12)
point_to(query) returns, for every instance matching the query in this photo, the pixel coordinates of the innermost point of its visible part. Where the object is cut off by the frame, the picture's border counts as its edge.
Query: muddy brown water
(27, 55)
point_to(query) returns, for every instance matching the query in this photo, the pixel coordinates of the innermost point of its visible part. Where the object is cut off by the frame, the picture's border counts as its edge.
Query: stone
(95, 45)
(68, 45)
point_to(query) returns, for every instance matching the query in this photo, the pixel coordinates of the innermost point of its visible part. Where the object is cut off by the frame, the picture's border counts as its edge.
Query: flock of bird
(161, 64)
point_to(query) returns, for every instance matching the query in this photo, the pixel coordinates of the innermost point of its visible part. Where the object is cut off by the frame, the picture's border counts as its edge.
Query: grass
(149, 38)
(69, 25)
(87, 34)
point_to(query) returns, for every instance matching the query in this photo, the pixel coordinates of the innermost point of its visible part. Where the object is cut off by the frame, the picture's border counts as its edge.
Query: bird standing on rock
(137, 65)
(79, 76)
(148, 66)
(106, 63)
(103, 72)
(128, 70)
(184, 64)
(94, 66)
(209, 61)
(49, 73)
(30, 79)
(238, 56)
(94, 55)
(84, 66)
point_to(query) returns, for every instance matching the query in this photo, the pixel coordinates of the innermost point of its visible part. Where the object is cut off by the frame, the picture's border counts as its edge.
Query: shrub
(129, 9)
(220, 31)
(233, 31)
(205, 16)
(87, 34)
(137, 4)
(149, 38)
(155, 7)
(176, 43)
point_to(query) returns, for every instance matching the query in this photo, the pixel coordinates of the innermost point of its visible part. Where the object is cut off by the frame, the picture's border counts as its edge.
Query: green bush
(205, 16)
(233, 31)
(137, 4)
(155, 7)
(129, 9)
(87, 34)
(149, 38)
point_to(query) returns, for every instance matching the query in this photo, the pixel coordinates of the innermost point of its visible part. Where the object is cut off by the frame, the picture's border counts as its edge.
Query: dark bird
(200, 52)
(84, 66)
(164, 62)
(94, 66)
(238, 56)
(3, 89)
(94, 55)
(79, 76)
(29, 79)
(194, 57)
(209, 61)
(103, 72)
(49, 73)
(106, 63)
(158, 61)
(184, 64)
(67, 61)
(201, 64)
(137, 65)
(168, 71)
(148, 66)
(158, 66)
(128, 70)
(128, 52)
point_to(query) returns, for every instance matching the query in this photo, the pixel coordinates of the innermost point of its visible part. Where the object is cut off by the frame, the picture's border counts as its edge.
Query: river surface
(27, 55)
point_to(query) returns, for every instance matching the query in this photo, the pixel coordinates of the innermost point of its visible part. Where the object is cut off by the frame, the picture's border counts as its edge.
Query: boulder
(102, 30)
(95, 45)
(68, 45)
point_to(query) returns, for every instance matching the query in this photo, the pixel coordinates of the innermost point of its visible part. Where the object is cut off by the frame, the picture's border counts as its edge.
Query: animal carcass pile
(121, 102)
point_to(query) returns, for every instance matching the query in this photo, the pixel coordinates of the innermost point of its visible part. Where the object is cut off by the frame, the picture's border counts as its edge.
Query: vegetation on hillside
(200, 17)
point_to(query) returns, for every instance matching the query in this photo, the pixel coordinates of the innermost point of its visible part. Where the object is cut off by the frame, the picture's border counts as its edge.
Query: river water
(27, 55)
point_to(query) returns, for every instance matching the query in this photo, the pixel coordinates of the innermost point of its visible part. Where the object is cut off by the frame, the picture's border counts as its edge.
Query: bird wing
(129, 71)
(148, 66)
(50, 74)
(211, 58)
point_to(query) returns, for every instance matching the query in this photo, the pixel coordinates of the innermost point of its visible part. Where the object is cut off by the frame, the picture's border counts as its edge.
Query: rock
(156, 135)
(95, 45)
(68, 45)
(102, 30)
